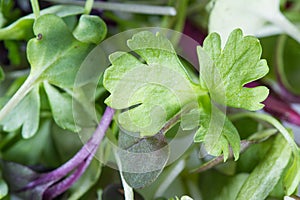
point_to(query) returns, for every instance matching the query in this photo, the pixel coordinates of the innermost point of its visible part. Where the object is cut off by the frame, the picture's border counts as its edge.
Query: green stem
(272, 121)
(35, 8)
(18, 96)
(88, 6)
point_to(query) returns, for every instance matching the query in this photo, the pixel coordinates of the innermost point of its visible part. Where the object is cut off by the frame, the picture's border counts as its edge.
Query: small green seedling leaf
(61, 107)
(154, 91)
(90, 29)
(22, 28)
(25, 115)
(217, 132)
(225, 72)
(267, 173)
(55, 55)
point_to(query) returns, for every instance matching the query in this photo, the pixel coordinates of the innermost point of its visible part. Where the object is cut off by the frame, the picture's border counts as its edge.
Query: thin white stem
(18, 96)
(287, 26)
(132, 8)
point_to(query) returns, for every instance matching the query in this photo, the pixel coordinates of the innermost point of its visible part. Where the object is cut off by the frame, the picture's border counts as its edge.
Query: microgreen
(182, 120)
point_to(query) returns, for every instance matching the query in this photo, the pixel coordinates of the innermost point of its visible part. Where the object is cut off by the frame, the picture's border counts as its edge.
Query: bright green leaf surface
(291, 179)
(217, 132)
(90, 29)
(52, 57)
(22, 28)
(25, 115)
(267, 173)
(225, 72)
(160, 87)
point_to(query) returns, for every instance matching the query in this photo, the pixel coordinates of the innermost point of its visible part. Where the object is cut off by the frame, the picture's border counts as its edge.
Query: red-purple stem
(80, 161)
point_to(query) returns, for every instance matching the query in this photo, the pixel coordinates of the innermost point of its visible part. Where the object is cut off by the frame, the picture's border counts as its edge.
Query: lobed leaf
(154, 91)
(25, 115)
(55, 55)
(217, 132)
(225, 72)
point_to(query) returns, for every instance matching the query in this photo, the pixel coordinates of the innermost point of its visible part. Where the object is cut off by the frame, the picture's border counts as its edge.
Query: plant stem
(87, 150)
(272, 121)
(245, 144)
(88, 6)
(132, 8)
(18, 96)
(282, 22)
(35, 8)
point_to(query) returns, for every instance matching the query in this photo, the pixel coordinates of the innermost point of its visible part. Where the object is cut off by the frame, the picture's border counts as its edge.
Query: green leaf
(267, 173)
(155, 91)
(225, 72)
(90, 29)
(291, 178)
(61, 107)
(259, 17)
(3, 189)
(142, 159)
(22, 28)
(25, 115)
(30, 151)
(57, 55)
(216, 131)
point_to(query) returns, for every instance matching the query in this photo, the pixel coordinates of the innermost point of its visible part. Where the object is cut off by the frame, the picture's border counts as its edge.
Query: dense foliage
(204, 106)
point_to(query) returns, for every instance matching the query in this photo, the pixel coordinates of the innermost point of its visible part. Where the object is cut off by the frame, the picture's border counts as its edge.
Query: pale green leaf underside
(160, 87)
(225, 72)
(25, 115)
(265, 176)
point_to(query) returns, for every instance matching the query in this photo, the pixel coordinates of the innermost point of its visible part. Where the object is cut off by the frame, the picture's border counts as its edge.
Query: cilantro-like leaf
(157, 89)
(216, 131)
(25, 115)
(225, 72)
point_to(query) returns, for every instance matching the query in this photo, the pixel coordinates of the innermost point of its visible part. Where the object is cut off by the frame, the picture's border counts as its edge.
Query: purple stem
(64, 185)
(84, 153)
